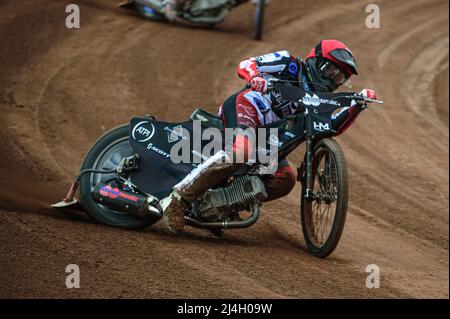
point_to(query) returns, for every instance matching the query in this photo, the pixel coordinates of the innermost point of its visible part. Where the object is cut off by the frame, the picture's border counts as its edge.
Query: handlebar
(365, 99)
(271, 84)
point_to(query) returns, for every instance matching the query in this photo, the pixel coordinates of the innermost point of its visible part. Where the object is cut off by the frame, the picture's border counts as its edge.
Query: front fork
(305, 173)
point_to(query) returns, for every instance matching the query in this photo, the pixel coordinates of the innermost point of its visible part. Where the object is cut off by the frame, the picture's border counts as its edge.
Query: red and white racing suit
(253, 109)
(249, 108)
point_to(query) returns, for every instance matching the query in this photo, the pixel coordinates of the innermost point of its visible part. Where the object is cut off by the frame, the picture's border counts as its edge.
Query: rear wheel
(106, 154)
(323, 218)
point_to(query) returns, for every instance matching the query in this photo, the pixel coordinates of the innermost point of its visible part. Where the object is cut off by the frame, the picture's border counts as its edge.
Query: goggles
(329, 71)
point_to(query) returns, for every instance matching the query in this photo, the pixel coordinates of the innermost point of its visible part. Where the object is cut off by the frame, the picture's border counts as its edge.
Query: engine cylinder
(241, 194)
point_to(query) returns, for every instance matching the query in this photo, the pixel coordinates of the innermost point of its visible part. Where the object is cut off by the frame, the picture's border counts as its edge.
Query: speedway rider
(171, 8)
(329, 65)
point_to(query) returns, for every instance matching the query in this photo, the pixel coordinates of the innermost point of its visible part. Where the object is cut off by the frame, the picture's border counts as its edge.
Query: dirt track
(60, 89)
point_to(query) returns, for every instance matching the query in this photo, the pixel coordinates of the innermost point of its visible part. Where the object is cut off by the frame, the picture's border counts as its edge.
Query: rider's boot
(196, 183)
(174, 207)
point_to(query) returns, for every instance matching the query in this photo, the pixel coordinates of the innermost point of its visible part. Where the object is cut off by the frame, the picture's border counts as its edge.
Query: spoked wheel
(259, 18)
(323, 217)
(106, 154)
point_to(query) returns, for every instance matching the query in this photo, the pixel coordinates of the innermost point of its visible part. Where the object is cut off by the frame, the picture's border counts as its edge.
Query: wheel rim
(108, 159)
(321, 212)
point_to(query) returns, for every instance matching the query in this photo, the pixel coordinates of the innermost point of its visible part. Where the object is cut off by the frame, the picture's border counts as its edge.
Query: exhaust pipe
(137, 205)
(225, 224)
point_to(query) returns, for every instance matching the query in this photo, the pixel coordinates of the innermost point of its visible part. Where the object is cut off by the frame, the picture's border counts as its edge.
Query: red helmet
(330, 64)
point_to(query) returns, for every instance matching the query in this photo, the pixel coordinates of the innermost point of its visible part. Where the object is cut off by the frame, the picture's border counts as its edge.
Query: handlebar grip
(374, 101)
(362, 98)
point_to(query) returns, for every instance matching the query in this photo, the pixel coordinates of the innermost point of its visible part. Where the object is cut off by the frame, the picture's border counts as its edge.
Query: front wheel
(259, 18)
(323, 217)
(106, 154)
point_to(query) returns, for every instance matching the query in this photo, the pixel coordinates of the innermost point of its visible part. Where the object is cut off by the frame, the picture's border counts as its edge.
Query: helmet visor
(346, 58)
(329, 71)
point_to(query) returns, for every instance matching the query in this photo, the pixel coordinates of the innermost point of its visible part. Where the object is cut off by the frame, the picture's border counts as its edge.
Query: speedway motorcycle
(201, 12)
(128, 171)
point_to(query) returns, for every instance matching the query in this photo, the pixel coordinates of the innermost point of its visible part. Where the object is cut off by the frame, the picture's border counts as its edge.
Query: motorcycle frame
(311, 140)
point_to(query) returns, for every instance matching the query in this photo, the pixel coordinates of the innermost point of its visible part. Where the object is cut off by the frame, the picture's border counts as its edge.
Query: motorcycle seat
(209, 120)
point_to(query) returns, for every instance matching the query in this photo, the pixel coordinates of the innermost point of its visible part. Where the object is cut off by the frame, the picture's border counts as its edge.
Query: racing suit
(249, 108)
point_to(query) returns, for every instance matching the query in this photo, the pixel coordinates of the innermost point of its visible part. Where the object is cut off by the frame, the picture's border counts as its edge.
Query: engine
(221, 203)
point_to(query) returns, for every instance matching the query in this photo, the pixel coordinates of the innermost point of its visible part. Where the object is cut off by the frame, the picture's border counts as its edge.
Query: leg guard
(206, 175)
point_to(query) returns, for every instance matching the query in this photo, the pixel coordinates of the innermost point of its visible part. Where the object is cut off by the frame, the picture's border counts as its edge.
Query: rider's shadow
(268, 236)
